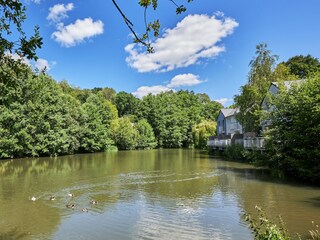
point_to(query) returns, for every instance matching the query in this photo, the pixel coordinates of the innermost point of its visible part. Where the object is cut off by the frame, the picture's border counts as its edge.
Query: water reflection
(156, 194)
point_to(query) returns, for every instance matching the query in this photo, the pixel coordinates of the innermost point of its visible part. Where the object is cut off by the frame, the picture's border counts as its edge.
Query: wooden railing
(221, 143)
(254, 143)
(250, 143)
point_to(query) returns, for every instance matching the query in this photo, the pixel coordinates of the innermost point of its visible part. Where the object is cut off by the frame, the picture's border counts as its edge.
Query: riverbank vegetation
(293, 145)
(293, 128)
(41, 117)
(265, 229)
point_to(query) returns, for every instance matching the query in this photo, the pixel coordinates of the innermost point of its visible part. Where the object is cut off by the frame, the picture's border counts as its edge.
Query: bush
(265, 229)
(235, 152)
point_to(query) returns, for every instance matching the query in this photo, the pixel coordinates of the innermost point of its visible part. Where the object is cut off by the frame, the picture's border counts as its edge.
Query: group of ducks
(69, 205)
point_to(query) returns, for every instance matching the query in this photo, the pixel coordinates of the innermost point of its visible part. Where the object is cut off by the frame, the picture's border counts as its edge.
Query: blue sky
(207, 49)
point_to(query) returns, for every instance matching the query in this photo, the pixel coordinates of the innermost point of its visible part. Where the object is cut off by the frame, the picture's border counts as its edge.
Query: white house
(227, 123)
(228, 130)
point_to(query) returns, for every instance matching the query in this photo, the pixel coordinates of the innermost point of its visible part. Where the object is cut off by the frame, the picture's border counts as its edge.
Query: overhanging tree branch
(155, 26)
(130, 26)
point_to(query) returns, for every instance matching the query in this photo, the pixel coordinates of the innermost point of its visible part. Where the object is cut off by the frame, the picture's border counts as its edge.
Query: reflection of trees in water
(163, 177)
(22, 219)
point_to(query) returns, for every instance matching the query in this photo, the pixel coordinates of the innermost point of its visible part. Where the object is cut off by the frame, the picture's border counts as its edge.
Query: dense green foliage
(201, 133)
(127, 104)
(124, 133)
(259, 79)
(172, 116)
(36, 117)
(263, 71)
(303, 66)
(96, 119)
(40, 117)
(294, 136)
(146, 139)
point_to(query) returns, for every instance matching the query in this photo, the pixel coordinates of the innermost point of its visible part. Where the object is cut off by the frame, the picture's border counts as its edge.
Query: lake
(151, 194)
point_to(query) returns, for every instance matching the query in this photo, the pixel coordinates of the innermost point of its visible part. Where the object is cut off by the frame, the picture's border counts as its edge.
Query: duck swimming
(70, 206)
(85, 210)
(94, 202)
(52, 198)
(33, 198)
(70, 194)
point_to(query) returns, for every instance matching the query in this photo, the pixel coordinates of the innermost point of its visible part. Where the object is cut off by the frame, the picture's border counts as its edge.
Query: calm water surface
(156, 194)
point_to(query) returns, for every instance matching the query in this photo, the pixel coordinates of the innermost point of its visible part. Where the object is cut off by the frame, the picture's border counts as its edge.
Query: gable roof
(288, 84)
(227, 112)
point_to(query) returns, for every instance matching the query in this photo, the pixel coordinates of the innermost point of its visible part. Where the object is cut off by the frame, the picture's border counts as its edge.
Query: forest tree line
(42, 117)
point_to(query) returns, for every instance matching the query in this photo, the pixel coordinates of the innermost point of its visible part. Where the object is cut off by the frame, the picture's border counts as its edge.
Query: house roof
(227, 112)
(288, 84)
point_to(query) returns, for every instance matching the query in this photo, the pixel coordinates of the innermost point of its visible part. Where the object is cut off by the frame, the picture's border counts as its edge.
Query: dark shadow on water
(265, 175)
(314, 201)
(253, 173)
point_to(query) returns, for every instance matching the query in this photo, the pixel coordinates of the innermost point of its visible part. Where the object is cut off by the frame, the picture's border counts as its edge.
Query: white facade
(232, 125)
(227, 123)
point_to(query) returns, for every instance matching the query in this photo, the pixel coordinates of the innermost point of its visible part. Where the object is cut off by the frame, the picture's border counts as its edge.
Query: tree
(294, 145)
(201, 133)
(146, 139)
(259, 79)
(123, 133)
(173, 114)
(127, 104)
(36, 117)
(95, 122)
(13, 14)
(282, 73)
(210, 109)
(303, 66)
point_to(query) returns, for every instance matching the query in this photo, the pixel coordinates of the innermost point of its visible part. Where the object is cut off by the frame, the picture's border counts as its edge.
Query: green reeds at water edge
(265, 229)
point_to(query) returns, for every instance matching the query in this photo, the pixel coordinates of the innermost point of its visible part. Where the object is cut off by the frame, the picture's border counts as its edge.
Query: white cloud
(59, 12)
(184, 80)
(224, 101)
(194, 38)
(17, 57)
(43, 64)
(154, 90)
(34, 1)
(77, 32)
(177, 81)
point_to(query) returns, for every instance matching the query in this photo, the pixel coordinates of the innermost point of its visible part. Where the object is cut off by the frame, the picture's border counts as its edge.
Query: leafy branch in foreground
(315, 234)
(266, 229)
(149, 26)
(12, 15)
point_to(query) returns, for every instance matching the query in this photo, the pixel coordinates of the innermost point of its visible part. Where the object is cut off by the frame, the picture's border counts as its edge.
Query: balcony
(254, 143)
(219, 143)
